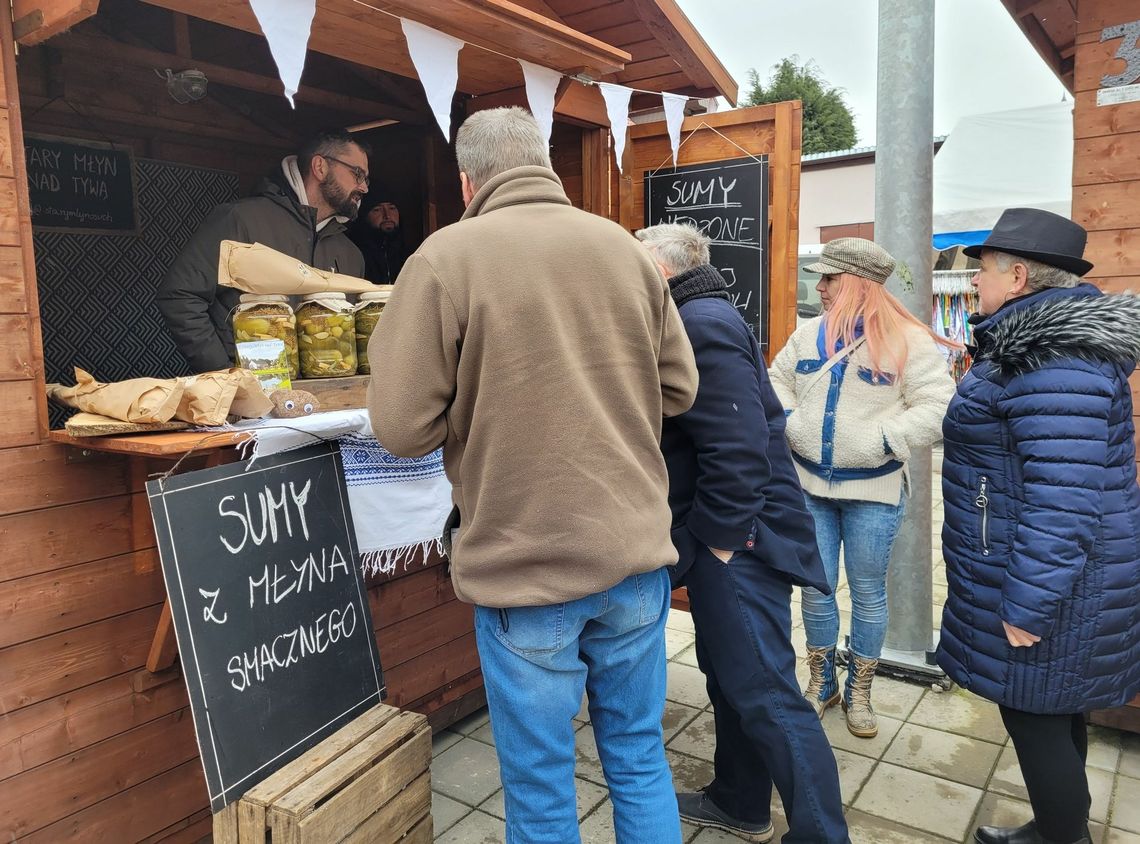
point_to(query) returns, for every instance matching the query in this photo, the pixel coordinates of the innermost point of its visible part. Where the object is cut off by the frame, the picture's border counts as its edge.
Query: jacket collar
(518, 186)
(1057, 323)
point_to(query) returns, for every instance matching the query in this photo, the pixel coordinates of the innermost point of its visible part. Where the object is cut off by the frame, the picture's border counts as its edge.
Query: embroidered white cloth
(399, 504)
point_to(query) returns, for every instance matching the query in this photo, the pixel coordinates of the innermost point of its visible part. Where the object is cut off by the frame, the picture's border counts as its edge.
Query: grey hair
(677, 246)
(1039, 276)
(496, 140)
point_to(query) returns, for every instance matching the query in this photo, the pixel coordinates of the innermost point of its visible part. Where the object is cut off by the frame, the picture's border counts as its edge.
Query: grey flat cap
(856, 256)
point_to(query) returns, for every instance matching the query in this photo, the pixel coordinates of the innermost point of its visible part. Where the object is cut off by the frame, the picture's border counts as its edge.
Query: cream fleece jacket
(876, 421)
(540, 347)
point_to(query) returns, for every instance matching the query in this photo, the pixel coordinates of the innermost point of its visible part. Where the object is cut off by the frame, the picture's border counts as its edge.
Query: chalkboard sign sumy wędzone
(269, 607)
(728, 201)
(81, 186)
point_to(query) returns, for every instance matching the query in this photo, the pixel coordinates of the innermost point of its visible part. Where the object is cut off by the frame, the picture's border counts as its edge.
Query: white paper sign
(674, 117)
(541, 86)
(286, 24)
(436, 58)
(617, 108)
(1119, 95)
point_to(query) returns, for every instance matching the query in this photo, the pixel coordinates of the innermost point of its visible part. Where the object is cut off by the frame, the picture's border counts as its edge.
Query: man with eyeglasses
(300, 210)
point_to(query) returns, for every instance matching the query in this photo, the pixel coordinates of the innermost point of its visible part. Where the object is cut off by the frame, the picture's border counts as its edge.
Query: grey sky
(983, 62)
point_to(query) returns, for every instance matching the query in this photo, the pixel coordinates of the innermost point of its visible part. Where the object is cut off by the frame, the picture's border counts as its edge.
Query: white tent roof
(1008, 159)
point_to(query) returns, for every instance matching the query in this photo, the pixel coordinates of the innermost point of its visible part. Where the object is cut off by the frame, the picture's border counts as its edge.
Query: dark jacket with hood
(197, 311)
(1042, 522)
(732, 483)
(384, 252)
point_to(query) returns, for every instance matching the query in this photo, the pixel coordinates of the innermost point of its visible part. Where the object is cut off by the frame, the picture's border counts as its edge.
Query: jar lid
(378, 295)
(262, 298)
(325, 294)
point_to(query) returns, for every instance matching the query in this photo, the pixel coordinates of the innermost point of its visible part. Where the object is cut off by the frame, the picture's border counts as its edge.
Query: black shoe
(1026, 834)
(697, 808)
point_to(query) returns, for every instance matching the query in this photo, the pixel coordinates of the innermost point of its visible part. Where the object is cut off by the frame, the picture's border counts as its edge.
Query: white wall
(836, 196)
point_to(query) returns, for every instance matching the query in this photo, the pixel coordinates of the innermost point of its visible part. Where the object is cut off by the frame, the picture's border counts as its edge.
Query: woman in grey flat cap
(863, 385)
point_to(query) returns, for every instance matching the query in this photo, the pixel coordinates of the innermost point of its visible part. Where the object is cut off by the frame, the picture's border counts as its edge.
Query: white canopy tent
(1007, 159)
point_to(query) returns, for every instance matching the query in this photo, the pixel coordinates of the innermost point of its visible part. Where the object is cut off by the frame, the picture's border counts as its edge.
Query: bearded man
(300, 210)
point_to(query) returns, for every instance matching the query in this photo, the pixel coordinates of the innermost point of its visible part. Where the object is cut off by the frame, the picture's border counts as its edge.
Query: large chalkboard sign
(269, 608)
(81, 186)
(728, 201)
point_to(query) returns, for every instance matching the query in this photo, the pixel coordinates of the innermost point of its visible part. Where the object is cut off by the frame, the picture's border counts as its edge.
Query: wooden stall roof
(646, 44)
(1051, 27)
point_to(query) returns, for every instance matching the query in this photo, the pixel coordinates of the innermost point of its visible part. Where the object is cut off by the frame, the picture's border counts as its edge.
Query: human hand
(1019, 638)
(723, 556)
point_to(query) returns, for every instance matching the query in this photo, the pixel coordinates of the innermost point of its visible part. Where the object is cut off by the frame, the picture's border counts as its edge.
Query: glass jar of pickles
(326, 335)
(368, 310)
(267, 318)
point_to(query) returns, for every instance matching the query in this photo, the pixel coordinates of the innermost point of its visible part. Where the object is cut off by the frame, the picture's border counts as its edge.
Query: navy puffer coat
(1042, 508)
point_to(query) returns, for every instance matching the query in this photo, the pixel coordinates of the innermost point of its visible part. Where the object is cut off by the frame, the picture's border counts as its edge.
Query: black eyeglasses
(358, 173)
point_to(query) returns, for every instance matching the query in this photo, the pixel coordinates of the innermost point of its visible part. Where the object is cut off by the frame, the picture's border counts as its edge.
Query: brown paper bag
(210, 397)
(255, 268)
(136, 400)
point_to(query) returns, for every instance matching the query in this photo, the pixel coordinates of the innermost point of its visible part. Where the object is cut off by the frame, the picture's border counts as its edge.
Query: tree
(828, 122)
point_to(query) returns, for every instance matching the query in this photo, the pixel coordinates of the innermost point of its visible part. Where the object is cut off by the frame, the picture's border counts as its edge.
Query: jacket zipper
(982, 502)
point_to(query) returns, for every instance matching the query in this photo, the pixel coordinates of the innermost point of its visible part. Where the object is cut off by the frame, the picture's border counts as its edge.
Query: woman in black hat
(1042, 530)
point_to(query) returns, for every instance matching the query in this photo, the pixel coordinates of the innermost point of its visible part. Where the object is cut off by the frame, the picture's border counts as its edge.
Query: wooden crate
(368, 782)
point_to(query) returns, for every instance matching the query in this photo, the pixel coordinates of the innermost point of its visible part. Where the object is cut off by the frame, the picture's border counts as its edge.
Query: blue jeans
(537, 661)
(867, 531)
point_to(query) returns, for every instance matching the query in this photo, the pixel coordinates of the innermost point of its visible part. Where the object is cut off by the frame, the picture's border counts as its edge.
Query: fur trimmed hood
(1072, 323)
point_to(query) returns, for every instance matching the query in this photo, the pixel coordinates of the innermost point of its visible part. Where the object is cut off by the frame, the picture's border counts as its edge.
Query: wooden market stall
(96, 740)
(1094, 48)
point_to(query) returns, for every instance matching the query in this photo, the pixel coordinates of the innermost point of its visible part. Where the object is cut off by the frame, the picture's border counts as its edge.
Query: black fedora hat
(1039, 235)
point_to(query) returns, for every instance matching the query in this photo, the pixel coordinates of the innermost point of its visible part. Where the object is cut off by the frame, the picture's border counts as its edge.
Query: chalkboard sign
(269, 608)
(81, 186)
(728, 201)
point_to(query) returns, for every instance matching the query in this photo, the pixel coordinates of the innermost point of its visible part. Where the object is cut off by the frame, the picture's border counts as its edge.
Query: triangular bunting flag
(674, 117)
(541, 86)
(286, 24)
(617, 107)
(436, 58)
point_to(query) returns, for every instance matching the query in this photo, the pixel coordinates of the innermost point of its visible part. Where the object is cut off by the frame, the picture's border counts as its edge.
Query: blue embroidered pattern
(367, 463)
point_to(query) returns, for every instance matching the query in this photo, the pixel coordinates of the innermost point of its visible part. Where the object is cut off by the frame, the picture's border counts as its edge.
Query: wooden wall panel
(52, 665)
(399, 643)
(60, 600)
(19, 414)
(1113, 205)
(9, 213)
(1113, 158)
(12, 298)
(16, 360)
(56, 537)
(46, 794)
(1114, 252)
(40, 476)
(434, 670)
(1096, 121)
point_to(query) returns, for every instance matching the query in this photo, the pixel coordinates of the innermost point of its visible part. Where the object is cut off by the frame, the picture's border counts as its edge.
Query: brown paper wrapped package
(205, 399)
(255, 268)
(137, 400)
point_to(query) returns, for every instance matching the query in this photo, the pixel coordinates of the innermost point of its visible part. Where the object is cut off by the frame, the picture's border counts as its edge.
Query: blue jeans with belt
(766, 732)
(537, 661)
(866, 530)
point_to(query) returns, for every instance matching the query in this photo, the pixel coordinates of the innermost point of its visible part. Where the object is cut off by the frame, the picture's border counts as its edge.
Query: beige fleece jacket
(872, 415)
(539, 346)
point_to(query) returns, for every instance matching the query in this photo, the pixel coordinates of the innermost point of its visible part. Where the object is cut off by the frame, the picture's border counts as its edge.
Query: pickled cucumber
(326, 348)
(366, 318)
(269, 322)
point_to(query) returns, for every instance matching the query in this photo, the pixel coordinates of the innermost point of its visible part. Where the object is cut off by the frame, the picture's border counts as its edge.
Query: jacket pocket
(982, 503)
(878, 379)
(808, 366)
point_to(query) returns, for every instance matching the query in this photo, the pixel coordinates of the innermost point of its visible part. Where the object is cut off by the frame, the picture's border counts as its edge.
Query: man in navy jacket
(745, 538)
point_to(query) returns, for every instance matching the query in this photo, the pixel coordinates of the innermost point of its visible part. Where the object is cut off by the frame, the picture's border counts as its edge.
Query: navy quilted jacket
(1042, 508)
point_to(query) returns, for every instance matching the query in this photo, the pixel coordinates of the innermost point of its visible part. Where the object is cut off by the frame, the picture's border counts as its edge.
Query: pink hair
(884, 320)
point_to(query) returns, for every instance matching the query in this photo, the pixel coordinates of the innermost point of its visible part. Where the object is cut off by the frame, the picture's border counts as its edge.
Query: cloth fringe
(390, 561)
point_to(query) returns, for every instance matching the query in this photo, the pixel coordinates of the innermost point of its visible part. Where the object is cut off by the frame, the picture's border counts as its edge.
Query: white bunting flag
(617, 107)
(674, 117)
(541, 86)
(436, 58)
(286, 24)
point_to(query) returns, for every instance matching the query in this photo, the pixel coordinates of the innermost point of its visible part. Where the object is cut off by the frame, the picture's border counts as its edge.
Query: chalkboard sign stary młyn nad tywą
(81, 186)
(727, 201)
(270, 610)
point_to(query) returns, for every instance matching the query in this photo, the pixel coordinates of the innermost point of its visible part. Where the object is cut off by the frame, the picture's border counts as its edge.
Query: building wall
(835, 195)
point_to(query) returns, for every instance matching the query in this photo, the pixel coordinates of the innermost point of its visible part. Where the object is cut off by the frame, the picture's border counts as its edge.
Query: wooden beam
(182, 36)
(245, 80)
(34, 21)
(684, 44)
(498, 25)
(574, 103)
